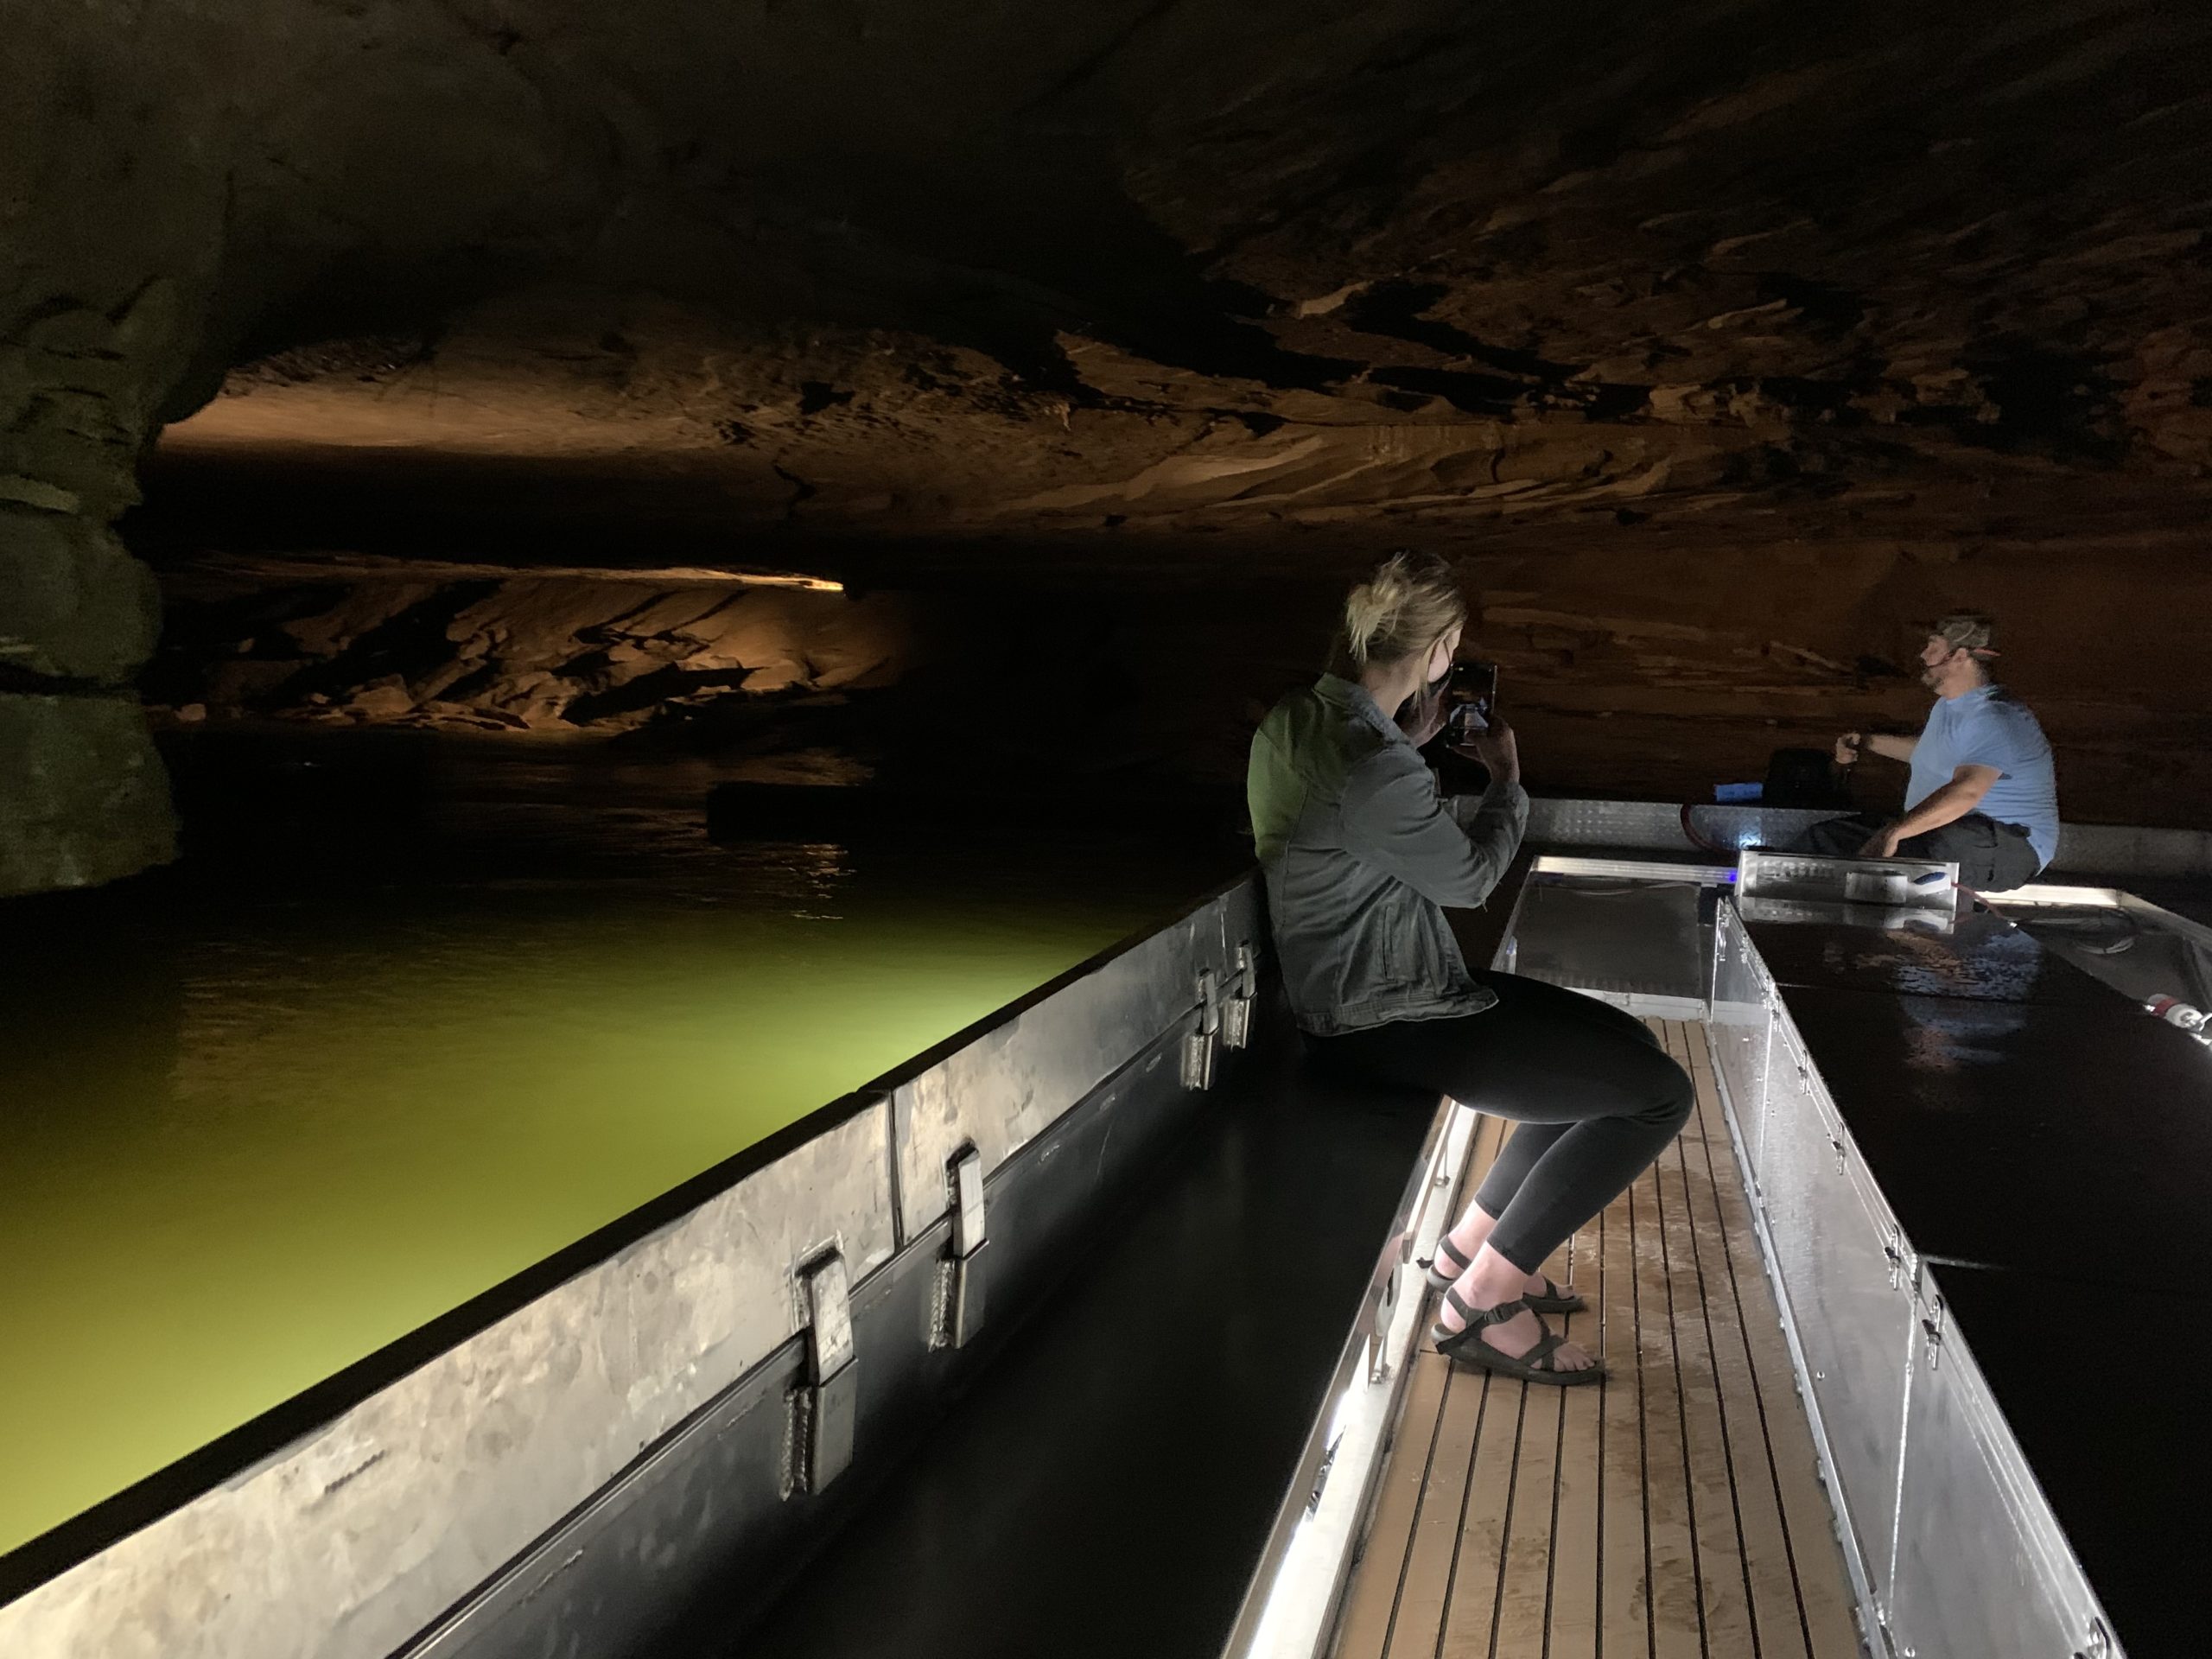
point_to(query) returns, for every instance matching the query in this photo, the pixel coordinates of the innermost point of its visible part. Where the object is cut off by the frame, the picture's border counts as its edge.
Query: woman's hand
(1423, 717)
(1497, 748)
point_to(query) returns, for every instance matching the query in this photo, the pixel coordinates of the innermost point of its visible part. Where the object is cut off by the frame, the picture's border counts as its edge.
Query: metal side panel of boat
(1656, 826)
(1843, 1266)
(1741, 1033)
(1001, 1090)
(698, 1535)
(348, 1541)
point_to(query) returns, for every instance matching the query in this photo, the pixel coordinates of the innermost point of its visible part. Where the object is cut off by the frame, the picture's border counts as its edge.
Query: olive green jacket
(1360, 855)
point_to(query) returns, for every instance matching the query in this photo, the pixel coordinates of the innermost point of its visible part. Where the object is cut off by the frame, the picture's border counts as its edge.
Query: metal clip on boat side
(829, 1404)
(1198, 1048)
(1243, 991)
(1931, 1326)
(961, 1275)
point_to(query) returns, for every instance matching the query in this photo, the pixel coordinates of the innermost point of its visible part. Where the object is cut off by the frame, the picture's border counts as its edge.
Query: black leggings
(1596, 1096)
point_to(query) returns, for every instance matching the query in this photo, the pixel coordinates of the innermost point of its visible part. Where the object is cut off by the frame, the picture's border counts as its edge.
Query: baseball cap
(1971, 631)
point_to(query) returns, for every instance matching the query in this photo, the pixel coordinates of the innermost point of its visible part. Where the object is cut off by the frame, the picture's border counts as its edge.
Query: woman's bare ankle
(1473, 1232)
(1491, 1279)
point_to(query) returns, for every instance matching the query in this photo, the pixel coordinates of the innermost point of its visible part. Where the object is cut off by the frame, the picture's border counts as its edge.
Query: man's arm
(1947, 805)
(1847, 747)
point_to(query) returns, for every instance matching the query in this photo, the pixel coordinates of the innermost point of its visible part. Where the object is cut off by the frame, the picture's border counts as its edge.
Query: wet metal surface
(1626, 936)
(1982, 958)
(2013, 1133)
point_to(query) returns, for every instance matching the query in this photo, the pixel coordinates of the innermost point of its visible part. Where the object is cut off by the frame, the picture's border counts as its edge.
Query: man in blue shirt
(1982, 792)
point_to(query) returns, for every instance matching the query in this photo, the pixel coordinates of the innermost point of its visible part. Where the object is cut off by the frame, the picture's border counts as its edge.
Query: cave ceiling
(551, 280)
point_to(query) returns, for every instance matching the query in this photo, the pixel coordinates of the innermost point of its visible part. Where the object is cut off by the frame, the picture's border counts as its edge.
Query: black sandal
(1466, 1346)
(1442, 1276)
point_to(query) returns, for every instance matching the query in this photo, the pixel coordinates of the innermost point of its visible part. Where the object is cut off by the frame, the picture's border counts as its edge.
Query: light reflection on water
(261, 1117)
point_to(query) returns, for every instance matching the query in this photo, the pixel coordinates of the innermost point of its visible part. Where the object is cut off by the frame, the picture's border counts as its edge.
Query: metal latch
(1198, 1048)
(1894, 1249)
(1243, 991)
(2099, 1645)
(1837, 1143)
(961, 1275)
(1321, 1475)
(825, 1410)
(1931, 1326)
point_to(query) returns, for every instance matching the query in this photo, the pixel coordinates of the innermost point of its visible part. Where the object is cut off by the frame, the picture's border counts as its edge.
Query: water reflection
(1957, 1033)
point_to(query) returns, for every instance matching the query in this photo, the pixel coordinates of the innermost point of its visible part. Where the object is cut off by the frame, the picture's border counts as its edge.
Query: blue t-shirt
(1986, 727)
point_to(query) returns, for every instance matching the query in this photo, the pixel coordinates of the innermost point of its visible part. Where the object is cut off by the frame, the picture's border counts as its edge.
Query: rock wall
(792, 684)
(1191, 292)
(108, 239)
(85, 800)
(1661, 675)
(418, 644)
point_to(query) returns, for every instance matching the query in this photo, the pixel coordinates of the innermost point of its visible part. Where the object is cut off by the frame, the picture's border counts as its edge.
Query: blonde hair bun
(1406, 603)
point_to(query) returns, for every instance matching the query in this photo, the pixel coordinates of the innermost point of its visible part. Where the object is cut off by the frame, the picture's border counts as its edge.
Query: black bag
(1803, 777)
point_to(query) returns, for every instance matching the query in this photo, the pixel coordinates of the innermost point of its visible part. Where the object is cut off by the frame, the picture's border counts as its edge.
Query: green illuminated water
(258, 1120)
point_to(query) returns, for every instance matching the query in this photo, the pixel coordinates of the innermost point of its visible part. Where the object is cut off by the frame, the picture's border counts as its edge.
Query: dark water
(413, 1015)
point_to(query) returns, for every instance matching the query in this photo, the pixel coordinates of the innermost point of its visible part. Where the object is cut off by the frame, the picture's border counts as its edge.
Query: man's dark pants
(1991, 857)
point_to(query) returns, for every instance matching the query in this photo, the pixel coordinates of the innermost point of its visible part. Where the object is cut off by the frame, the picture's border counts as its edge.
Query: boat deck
(1674, 1511)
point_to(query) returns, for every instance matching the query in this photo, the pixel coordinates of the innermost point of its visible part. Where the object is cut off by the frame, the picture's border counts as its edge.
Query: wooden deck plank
(1526, 1574)
(1724, 1588)
(1524, 1568)
(1425, 1588)
(1371, 1603)
(1472, 1598)
(1623, 1611)
(1572, 1629)
(1676, 1622)
(1772, 1583)
(1540, 1522)
(1374, 1595)
(1471, 1607)
(1418, 1627)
